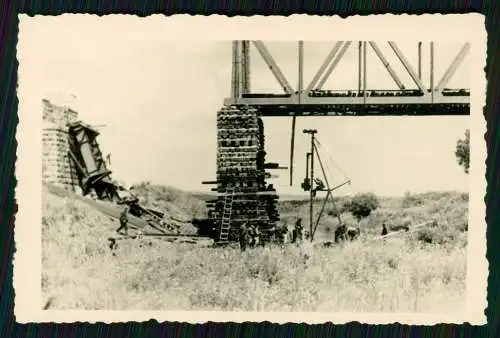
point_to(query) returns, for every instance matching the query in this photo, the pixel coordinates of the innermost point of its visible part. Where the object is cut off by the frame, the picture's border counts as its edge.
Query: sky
(158, 98)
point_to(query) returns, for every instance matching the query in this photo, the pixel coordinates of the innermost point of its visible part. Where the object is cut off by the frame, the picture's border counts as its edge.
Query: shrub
(362, 205)
(462, 151)
(333, 212)
(410, 200)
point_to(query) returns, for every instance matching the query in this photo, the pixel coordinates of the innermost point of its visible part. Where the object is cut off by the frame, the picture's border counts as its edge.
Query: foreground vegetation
(398, 274)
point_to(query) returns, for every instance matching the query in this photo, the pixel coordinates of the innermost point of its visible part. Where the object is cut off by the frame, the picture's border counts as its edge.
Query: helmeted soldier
(298, 230)
(243, 237)
(384, 229)
(123, 221)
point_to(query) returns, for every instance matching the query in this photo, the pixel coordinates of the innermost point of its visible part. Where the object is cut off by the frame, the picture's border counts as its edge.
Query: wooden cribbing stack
(241, 173)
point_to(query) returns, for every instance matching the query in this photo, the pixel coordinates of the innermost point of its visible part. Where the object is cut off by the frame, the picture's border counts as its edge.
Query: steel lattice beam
(314, 100)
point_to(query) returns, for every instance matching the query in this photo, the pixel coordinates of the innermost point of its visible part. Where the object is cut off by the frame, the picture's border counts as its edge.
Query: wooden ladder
(226, 215)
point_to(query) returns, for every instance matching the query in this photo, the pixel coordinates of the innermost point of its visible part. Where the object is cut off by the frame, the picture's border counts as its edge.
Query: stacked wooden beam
(57, 167)
(240, 166)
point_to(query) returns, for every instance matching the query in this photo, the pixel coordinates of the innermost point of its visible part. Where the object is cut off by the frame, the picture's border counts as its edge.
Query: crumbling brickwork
(58, 168)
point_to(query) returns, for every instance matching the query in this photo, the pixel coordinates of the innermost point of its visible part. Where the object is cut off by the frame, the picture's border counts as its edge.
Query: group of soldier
(250, 235)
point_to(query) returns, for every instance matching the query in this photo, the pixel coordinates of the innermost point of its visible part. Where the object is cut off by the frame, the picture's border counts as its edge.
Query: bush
(462, 151)
(333, 212)
(410, 200)
(361, 205)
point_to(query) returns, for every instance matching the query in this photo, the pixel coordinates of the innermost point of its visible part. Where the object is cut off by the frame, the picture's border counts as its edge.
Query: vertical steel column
(311, 132)
(360, 56)
(292, 148)
(245, 67)
(420, 60)
(300, 89)
(301, 67)
(364, 72)
(432, 70)
(311, 196)
(235, 78)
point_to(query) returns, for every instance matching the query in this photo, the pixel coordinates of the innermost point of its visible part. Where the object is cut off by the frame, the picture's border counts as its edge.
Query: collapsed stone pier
(57, 166)
(72, 158)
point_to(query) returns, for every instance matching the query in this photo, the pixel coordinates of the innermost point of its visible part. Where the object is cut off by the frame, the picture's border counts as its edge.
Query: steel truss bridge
(244, 197)
(414, 99)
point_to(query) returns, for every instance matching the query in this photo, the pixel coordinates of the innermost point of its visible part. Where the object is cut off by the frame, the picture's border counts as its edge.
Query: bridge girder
(312, 99)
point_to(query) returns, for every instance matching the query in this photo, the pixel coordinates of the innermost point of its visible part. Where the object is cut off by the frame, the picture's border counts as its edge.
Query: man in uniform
(243, 237)
(123, 221)
(298, 230)
(256, 240)
(384, 229)
(252, 233)
(341, 233)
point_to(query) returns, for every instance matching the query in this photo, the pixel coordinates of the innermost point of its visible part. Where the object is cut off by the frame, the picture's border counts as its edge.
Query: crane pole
(311, 132)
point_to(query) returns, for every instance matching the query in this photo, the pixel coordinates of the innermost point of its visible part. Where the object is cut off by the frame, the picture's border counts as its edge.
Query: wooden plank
(412, 229)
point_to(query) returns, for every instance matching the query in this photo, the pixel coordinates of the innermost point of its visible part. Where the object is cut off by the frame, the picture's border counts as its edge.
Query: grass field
(393, 275)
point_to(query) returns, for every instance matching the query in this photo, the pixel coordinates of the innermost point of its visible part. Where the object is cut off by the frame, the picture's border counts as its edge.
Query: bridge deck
(372, 102)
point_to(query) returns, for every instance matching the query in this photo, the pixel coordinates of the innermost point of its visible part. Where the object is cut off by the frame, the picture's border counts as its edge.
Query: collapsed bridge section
(72, 158)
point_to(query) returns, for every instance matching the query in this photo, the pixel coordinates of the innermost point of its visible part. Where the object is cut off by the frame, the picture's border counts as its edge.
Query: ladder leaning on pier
(226, 215)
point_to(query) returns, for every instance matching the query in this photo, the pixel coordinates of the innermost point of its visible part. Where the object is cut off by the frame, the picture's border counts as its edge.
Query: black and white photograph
(280, 170)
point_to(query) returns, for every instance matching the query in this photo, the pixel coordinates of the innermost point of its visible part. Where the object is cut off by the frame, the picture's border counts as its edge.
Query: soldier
(341, 233)
(298, 230)
(384, 230)
(251, 235)
(256, 240)
(123, 221)
(243, 237)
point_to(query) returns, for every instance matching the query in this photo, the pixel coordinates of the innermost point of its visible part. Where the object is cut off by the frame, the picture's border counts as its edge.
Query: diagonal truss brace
(334, 64)
(453, 67)
(407, 65)
(325, 64)
(386, 64)
(273, 66)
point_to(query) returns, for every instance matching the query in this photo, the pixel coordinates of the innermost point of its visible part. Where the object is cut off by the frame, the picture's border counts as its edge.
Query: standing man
(256, 241)
(298, 230)
(252, 235)
(384, 229)
(123, 221)
(243, 237)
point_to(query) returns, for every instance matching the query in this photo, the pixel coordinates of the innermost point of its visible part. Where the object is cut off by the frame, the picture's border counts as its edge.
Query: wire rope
(330, 158)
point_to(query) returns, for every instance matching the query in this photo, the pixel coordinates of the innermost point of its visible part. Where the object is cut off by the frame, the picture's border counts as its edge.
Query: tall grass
(80, 271)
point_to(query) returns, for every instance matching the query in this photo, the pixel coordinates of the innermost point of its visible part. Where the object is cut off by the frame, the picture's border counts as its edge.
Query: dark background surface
(9, 119)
